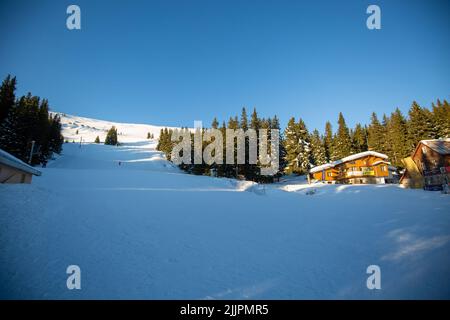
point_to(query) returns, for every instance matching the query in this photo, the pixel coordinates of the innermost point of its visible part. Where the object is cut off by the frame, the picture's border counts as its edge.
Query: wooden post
(31, 151)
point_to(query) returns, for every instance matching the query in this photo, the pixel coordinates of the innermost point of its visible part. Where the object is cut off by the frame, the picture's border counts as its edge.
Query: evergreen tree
(233, 123)
(7, 96)
(396, 138)
(275, 123)
(343, 143)
(244, 120)
(375, 135)
(158, 145)
(359, 139)
(111, 136)
(328, 142)
(215, 123)
(420, 125)
(26, 122)
(10, 136)
(298, 152)
(97, 139)
(441, 118)
(56, 139)
(318, 154)
(254, 122)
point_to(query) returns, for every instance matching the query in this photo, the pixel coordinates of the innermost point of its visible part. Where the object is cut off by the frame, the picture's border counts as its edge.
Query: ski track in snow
(146, 230)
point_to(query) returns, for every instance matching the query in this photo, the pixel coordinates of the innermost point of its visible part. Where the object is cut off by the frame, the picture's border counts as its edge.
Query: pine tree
(254, 122)
(97, 139)
(10, 137)
(7, 96)
(25, 121)
(275, 123)
(343, 143)
(55, 137)
(158, 145)
(441, 118)
(328, 142)
(318, 154)
(298, 152)
(396, 138)
(42, 140)
(244, 120)
(111, 136)
(420, 126)
(359, 139)
(375, 134)
(215, 123)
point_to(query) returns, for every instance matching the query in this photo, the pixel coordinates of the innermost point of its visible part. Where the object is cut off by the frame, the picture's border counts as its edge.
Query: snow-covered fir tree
(297, 146)
(318, 154)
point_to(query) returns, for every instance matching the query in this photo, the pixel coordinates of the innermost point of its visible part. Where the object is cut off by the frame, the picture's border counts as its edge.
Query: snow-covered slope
(140, 228)
(88, 129)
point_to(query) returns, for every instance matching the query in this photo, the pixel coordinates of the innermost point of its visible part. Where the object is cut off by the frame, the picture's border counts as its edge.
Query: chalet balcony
(353, 174)
(366, 172)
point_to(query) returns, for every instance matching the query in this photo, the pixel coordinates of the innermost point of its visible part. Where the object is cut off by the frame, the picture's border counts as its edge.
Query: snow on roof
(9, 160)
(380, 161)
(349, 158)
(363, 154)
(441, 146)
(322, 167)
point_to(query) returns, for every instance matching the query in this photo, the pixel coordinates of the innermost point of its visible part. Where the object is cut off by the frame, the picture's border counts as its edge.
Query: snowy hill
(88, 129)
(140, 228)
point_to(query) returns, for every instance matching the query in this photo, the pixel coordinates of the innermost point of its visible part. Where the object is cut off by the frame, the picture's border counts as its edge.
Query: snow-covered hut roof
(9, 160)
(441, 146)
(349, 158)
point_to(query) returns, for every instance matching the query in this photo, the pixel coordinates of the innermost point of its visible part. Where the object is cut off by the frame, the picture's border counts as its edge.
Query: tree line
(247, 170)
(27, 119)
(396, 135)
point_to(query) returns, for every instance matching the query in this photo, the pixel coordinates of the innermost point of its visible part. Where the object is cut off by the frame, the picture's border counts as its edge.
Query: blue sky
(173, 62)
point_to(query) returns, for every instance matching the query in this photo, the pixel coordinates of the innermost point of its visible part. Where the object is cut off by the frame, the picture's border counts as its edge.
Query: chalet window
(383, 168)
(424, 150)
(424, 166)
(329, 174)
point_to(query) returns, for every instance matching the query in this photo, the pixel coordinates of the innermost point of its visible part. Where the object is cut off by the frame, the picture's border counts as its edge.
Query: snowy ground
(146, 230)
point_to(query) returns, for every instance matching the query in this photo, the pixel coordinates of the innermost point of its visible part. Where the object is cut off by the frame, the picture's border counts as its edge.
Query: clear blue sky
(172, 62)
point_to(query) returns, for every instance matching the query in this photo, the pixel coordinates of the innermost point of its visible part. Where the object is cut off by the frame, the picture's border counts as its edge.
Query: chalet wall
(427, 159)
(12, 175)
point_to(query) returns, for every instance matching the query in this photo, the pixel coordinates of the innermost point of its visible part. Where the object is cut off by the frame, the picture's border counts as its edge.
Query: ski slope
(88, 129)
(145, 230)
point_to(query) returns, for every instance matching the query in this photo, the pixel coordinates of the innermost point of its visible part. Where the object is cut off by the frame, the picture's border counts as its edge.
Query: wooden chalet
(361, 168)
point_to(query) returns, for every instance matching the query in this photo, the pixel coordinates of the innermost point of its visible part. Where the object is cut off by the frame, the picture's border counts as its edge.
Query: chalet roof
(441, 146)
(322, 167)
(346, 159)
(9, 160)
(380, 161)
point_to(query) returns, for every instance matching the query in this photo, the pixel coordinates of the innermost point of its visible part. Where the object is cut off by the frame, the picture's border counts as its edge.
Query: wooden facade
(362, 168)
(429, 165)
(13, 170)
